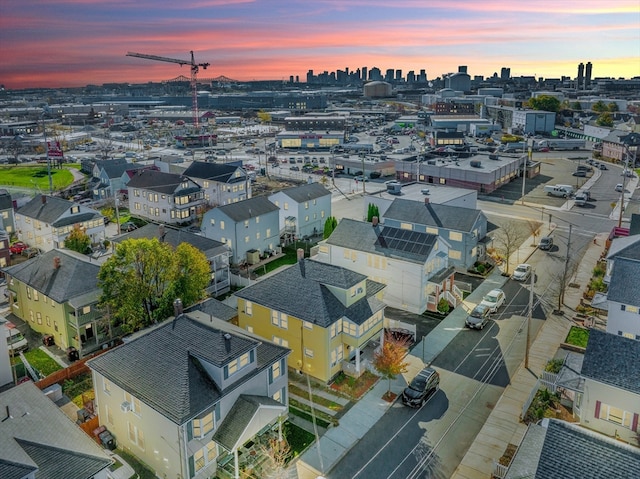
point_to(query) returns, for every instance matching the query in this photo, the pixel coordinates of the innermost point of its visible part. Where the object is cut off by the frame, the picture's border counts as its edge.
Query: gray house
(191, 395)
(462, 228)
(222, 184)
(247, 226)
(111, 178)
(303, 209)
(7, 222)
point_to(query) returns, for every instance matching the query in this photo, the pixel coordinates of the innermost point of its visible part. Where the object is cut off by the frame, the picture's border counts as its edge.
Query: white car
(522, 272)
(493, 300)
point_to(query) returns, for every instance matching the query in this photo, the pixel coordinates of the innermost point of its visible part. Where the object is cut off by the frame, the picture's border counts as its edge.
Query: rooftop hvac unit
(125, 406)
(431, 162)
(476, 164)
(494, 157)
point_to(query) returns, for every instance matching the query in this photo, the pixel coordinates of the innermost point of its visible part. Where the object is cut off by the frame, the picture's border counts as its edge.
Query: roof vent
(227, 336)
(476, 164)
(177, 307)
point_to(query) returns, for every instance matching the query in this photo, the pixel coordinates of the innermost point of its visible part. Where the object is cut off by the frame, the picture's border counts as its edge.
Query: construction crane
(195, 67)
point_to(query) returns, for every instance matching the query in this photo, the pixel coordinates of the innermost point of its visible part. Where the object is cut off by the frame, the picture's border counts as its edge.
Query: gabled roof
(222, 173)
(214, 308)
(306, 192)
(247, 209)
(177, 351)
(36, 435)
(46, 209)
(5, 200)
(115, 170)
(383, 241)
(612, 360)
(625, 247)
(74, 277)
(167, 183)
(621, 289)
(174, 237)
(454, 218)
(302, 291)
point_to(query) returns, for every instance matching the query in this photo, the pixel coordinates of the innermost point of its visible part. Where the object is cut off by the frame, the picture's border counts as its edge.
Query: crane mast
(195, 68)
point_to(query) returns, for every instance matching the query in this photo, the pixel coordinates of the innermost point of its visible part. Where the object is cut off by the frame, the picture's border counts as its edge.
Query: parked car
(493, 299)
(31, 252)
(421, 388)
(522, 272)
(294, 168)
(128, 226)
(16, 342)
(581, 173)
(602, 166)
(546, 243)
(479, 317)
(360, 178)
(18, 247)
(619, 187)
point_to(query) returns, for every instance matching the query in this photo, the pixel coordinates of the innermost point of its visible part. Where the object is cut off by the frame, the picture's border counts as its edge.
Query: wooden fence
(89, 426)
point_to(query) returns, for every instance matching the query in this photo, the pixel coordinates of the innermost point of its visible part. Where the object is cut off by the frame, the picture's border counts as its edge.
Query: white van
(16, 342)
(556, 190)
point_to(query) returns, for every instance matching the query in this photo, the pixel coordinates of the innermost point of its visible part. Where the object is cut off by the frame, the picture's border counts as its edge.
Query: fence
(76, 369)
(89, 426)
(499, 470)
(547, 381)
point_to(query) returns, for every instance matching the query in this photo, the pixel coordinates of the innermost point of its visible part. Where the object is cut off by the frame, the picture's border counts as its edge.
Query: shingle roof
(570, 451)
(362, 236)
(167, 183)
(215, 308)
(301, 290)
(38, 435)
(625, 247)
(454, 218)
(612, 360)
(115, 170)
(306, 192)
(247, 209)
(621, 290)
(75, 276)
(5, 201)
(176, 351)
(45, 208)
(174, 237)
(222, 173)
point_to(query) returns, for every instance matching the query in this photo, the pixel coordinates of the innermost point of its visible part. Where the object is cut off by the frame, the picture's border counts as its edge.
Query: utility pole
(624, 185)
(529, 315)
(46, 149)
(566, 268)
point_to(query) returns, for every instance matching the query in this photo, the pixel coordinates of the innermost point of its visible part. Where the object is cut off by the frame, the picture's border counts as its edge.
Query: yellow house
(325, 314)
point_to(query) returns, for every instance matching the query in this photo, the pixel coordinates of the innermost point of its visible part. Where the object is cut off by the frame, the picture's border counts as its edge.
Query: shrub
(443, 306)
(554, 366)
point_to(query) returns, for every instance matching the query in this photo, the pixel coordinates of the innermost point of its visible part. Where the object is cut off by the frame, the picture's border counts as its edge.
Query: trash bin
(72, 354)
(107, 440)
(48, 340)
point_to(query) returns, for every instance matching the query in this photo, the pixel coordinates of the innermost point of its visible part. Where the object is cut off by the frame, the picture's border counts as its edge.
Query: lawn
(297, 438)
(578, 336)
(35, 176)
(42, 362)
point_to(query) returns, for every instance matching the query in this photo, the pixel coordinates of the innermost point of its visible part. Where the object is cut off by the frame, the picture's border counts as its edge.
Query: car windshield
(477, 312)
(490, 298)
(521, 269)
(418, 383)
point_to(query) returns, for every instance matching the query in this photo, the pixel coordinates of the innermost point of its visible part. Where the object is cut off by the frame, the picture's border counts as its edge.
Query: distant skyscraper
(580, 79)
(505, 73)
(398, 75)
(411, 77)
(388, 76)
(422, 78)
(310, 76)
(462, 69)
(363, 77)
(375, 74)
(587, 75)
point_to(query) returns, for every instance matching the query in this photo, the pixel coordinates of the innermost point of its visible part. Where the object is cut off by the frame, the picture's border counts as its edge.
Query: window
(268, 232)
(250, 328)
(135, 403)
(453, 254)
(307, 325)
(108, 414)
(257, 219)
(279, 319)
(336, 328)
(39, 317)
(455, 236)
(258, 235)
(613, 414)
(308, 352)
(246, 239)
(246, 223)
(286, 206)
(203, 425)
(248, 308)
(135, 435)
(431, 230)
(31, 317)
(86, 310)
(48, 320)
(280, 341)
(350, 328)
(213, 222)
(306, 205)
(35, 295)
(211, 451)
(198, 460)
(337, 355)
(323, 249)
(406, 226)
(106, 385)
(221, 224)
(276, 371)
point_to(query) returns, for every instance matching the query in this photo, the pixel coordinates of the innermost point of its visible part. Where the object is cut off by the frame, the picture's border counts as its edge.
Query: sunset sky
(64, 43)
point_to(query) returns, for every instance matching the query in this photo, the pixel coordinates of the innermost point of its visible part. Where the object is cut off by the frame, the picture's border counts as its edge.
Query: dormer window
(237, 364)
(75, 209)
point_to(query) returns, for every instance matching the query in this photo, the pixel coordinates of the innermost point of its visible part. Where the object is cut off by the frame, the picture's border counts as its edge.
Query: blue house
(303, 209)
(249, 226)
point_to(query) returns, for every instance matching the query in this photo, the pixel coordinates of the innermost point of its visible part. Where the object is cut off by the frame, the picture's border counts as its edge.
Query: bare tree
(278, 453)
(508, 239)
(534, 228)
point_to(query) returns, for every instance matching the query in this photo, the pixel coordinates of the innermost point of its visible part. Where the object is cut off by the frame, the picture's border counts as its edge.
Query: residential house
(7, 221)
(46, 221)
(463, 228)
(38, 441)
(246, 226)
(554, 449)
(413, 265)
(326, 315)
(164, 197)
(221, 183)
(57, 294)
(622, 147)
(217, 253)
(623, 296)
(5, 252)
(188, 395)
(303, 209)
(110, 178)
(610, 398)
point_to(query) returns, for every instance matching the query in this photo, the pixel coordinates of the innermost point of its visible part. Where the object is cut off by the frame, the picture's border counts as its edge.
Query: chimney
(374, 221)
(43, 198)
(426, 200)
(56, 262)
(177, 307)
(300, 254)
(227, 341)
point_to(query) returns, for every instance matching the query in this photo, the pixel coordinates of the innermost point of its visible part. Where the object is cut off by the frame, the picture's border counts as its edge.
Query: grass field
(34, 176)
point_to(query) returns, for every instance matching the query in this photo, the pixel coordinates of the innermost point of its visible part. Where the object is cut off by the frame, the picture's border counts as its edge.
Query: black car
(423, 386)
(546, 243)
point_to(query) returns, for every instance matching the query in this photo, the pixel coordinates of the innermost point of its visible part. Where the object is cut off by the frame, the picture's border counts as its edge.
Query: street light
(527, 157)
(46, 149)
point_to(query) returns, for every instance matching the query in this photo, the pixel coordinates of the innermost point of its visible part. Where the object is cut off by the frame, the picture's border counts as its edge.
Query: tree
(545, 103)
(278, 454)
(141, 279)
(604, 119)
(329, 226)
(389, 358)
(613, 107)
(534, 227)
(264, 117)
(576, 106)
(507, 239)
(373, 211)
(599, 107)
(78, 240)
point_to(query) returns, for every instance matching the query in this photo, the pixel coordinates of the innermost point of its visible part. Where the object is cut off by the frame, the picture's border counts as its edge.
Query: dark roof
(174, 237)
(176, 351)
(222, 173)
(302, 291)
(116, 170)
(247, 209)
(46, 208)
(570, 451)
(385, 241)
(77, 218)
(306, 192)
(613, 360)
(167, 183)
(215, 308)
(454, 218)
(621, 290)
(5, 200)
(74, 277)
(38, 436)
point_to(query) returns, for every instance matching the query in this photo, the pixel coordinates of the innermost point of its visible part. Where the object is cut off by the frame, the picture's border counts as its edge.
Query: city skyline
(67, 43)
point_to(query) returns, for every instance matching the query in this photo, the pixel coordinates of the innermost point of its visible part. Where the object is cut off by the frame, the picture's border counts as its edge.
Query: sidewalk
(503, 425)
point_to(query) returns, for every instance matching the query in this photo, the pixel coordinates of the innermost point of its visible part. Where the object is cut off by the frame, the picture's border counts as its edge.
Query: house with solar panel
(221, 183)
(303, 209)
(464, 229)
(325, 314)
(414, 265)
(192, 395)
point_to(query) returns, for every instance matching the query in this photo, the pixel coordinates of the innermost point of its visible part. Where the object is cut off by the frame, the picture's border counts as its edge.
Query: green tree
(576, 106)
(264, 117)
(545, 103)
(389, 359)
(443, 306)
(613, 106)
(141, 279)
(604, 119)
(78, 240)
(372, 211)
(599, 107)
(329, 226)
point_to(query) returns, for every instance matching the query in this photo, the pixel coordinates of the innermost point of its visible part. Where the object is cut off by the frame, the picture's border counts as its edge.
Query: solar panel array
(405, 240)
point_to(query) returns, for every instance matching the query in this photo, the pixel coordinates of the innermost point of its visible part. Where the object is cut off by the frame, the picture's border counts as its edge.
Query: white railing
(458, 292)
(499, 471)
